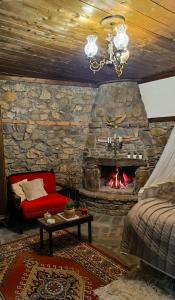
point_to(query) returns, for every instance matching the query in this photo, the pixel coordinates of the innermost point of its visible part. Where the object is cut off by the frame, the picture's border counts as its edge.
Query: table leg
(89, 232)
(50, 244)
(41, 238)
(79, 230)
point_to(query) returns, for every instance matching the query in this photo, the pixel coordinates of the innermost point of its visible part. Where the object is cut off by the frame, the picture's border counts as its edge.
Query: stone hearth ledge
(114, 195)
(113, 204)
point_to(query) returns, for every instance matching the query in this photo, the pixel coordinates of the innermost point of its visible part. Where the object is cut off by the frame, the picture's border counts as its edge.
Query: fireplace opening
(120, 178)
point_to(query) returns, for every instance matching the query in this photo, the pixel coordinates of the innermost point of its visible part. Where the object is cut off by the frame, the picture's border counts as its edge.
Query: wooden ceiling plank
(52, 33)
(152, 11)
(31, 65)
(163, 30)
(63, 50)
(167, 5)
(134, 17)
(14, 71)
(35, 49)
(19, 39)
(12, 51)
(34, 52)
(35, 32)
(37, 40)
(47, 81)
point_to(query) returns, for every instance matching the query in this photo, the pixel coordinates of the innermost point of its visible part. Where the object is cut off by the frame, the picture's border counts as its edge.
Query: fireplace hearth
(113, 175)
(111, 184)
(118, 178)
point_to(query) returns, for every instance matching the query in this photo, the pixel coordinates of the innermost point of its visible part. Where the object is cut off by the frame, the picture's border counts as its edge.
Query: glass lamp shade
(121, 39)
(124, 56)
(91, 48)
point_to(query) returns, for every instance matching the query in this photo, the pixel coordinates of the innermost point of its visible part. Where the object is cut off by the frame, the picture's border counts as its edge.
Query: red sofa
(53, 202)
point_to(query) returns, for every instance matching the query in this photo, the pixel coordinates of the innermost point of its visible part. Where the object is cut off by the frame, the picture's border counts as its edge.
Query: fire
(118, 179)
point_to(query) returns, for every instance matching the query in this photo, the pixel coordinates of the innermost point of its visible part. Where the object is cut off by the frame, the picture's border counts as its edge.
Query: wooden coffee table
(60, 223)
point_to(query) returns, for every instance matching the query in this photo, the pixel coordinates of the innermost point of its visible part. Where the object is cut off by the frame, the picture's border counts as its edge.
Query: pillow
(34, 189)
(16, 187)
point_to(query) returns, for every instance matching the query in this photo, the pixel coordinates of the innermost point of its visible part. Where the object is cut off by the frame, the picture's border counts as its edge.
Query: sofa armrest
(16, 200)
(15, 210)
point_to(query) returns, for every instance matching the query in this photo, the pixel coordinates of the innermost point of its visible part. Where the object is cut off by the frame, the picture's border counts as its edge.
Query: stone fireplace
(113, 177)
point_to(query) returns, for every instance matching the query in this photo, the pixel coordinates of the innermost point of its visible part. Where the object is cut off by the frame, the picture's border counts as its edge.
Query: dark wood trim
(115, 81)
(86, 84)
(47, 81)
(3, 187)
(161, 119)
(157, 77)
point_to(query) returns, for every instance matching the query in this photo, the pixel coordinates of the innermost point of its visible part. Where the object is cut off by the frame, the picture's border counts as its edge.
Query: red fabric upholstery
(53, 203)
(48, 179)
(36, 208)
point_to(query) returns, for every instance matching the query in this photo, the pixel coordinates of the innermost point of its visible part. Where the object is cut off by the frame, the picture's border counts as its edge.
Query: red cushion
(53, 203)
(48, 178)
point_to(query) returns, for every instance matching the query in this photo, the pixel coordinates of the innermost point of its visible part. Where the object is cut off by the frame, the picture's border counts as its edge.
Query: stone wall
(54, 126)
(160, 132)
(45, 126)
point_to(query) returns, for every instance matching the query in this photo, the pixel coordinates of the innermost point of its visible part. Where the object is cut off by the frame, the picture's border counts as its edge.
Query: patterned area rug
(75, 270)
(143, 283)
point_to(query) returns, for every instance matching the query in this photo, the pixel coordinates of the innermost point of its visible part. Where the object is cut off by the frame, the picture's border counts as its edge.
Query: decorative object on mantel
(117, 51)
(140, 155)
(126, 139)
(115, 145)
(134, 155)
(114, 122)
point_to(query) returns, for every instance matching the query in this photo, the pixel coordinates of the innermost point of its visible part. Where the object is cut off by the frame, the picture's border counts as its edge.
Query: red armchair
(21, 210)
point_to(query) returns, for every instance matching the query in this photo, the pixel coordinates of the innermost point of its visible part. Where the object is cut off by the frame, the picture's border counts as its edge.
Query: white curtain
(165, 169)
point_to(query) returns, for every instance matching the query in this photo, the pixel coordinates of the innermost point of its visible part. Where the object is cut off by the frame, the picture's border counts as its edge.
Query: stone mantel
(119, 162)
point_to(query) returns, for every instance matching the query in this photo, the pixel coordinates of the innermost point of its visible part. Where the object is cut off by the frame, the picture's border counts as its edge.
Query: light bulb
(121, 39)
(91, 48)
(124, 56)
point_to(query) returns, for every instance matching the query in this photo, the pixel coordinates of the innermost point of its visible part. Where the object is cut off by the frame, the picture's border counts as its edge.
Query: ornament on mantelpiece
(129, 155)
(113, 122)
(134, 155)
(140, 155)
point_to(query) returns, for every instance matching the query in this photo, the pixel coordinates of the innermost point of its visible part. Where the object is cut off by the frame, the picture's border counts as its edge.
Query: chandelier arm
(96, 66)
(119, 69)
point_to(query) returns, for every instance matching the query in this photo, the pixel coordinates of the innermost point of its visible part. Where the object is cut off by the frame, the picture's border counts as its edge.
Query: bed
(149, 230)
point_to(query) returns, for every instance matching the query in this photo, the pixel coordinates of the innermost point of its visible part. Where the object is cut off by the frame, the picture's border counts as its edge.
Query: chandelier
(117, 52)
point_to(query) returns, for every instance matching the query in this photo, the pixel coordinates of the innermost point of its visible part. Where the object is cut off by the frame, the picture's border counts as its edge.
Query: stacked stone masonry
(54, 126)
(45, 126)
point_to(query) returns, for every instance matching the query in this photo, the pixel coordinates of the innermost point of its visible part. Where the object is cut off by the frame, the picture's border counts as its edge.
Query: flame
(118, 179)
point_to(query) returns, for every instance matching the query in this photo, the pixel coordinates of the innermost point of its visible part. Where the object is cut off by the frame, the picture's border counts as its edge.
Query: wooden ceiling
(46, 38)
